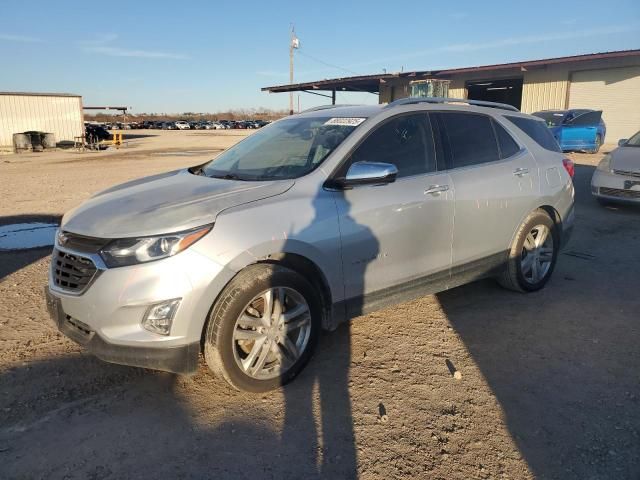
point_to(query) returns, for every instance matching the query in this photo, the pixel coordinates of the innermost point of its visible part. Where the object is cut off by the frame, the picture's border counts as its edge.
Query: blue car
(576, 129)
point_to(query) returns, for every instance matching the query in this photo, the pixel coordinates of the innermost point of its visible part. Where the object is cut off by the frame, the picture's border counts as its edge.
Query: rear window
(550, 117)
(469, 137)
(538, 132)
(508, 146)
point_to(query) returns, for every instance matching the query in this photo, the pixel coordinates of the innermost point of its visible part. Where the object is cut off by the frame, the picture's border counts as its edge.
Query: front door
(397, 233)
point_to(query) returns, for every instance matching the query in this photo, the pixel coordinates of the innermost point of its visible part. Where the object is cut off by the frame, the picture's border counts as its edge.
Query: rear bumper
(182, 359)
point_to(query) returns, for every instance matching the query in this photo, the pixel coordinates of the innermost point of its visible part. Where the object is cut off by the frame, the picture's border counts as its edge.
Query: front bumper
(106, 315)
(615, 187)
(181, 359)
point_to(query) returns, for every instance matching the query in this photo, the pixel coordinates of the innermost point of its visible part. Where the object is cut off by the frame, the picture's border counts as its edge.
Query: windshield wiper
(228, 176)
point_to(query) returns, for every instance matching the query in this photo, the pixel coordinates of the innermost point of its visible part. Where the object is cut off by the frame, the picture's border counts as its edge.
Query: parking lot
(548, 383)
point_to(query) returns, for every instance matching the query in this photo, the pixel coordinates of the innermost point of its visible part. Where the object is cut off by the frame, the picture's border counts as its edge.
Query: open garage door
(616, 92)
(507, 91)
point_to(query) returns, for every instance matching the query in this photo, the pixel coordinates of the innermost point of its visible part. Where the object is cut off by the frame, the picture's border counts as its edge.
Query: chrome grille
(627, 173)
(72, 272)
(617, 192)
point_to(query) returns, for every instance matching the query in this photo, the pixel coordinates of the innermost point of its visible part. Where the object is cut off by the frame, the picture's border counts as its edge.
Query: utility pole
(293, 44)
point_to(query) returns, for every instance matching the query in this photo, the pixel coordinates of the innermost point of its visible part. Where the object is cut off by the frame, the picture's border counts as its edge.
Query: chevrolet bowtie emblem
(62, 239)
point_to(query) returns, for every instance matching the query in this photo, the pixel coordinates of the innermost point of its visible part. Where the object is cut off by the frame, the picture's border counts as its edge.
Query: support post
(333, 96)
(291, 47)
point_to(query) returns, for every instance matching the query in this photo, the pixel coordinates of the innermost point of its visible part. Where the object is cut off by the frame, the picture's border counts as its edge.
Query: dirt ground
(549, 385)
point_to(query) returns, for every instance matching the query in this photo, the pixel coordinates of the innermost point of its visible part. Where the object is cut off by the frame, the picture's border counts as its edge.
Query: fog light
(159, 317)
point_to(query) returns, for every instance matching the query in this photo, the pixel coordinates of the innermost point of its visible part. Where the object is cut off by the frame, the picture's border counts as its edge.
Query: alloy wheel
(537, 254)
(271, 333)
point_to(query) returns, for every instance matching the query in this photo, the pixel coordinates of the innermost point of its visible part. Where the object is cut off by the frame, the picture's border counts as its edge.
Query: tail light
(569, 166)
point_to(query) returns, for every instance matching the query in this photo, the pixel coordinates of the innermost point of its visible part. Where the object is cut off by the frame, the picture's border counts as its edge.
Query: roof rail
(480, 103)
(325, 107)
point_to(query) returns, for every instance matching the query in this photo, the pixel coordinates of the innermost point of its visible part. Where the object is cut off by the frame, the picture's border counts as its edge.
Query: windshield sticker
(346, 122)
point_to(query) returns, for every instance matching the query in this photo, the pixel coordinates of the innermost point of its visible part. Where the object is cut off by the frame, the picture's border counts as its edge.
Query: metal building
(57, 113)
(607, 81)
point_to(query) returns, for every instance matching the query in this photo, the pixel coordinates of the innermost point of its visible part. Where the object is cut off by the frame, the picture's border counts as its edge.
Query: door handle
(436, 190)
(521, 172)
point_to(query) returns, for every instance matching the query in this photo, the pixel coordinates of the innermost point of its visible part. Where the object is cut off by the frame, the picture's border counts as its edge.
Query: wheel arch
(293, 261)
(309, 270)
(554, 214)
(549, 210)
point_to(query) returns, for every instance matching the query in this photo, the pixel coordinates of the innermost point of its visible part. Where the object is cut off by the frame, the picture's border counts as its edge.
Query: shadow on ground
(107, 421)
(12, 261)
(567, 378)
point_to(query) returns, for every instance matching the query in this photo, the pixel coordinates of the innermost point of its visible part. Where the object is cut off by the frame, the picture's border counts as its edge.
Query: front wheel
(263, 328)
(533, 254)
(598, 144)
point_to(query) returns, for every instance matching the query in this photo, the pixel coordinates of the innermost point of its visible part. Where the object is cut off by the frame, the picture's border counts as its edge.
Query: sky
(207, 56)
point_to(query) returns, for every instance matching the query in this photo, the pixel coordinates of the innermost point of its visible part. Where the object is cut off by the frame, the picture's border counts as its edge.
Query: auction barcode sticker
(345, 121)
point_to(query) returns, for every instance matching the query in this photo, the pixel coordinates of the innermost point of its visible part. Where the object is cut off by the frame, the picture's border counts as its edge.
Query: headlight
(605, 164)
(129, 251)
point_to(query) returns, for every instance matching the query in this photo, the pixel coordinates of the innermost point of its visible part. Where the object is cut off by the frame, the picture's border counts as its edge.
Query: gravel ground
(476, 382)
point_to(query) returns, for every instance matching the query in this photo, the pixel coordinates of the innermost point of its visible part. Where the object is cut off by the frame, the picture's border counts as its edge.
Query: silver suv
(311, 221)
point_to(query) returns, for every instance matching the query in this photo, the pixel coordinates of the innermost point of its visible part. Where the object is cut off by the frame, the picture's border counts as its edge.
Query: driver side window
(404, 141)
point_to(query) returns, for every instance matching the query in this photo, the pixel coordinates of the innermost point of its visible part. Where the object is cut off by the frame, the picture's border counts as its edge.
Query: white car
(617, 178)
(182, 125)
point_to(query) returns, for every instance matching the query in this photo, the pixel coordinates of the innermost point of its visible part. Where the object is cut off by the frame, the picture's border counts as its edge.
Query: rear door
(396, 233)
(496, 183)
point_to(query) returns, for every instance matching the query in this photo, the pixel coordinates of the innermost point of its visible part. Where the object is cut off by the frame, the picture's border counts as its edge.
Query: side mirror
(622, 142)
(369, 173)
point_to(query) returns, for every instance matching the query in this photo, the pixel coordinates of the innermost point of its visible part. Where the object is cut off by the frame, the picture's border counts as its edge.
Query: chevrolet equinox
(309, 222)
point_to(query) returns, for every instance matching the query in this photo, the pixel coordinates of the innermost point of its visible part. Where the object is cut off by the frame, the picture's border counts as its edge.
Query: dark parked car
(576, 129)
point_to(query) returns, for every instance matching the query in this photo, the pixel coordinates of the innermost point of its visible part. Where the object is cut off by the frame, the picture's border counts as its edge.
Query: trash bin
(21, 142)
(48, 140)
(36, 140)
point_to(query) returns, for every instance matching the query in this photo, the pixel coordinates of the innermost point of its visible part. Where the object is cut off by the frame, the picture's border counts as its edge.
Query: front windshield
(633, 141)
(289, 148)
(552, 119)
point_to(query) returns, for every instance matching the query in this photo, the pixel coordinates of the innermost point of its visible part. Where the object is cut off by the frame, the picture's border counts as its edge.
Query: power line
(304, 54)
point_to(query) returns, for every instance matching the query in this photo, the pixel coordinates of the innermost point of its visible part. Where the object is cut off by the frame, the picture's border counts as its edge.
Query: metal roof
(40, 94)
(371, 83)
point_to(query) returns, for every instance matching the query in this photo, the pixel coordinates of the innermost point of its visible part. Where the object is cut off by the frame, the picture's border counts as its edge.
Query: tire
(524, 261)
(237, 313)
(596, 149)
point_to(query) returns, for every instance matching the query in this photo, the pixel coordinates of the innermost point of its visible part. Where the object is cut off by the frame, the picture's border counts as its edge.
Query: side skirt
(419, 287)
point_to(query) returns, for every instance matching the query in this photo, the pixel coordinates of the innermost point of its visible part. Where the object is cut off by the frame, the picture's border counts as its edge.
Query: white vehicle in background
(617, 178)
(182, 125)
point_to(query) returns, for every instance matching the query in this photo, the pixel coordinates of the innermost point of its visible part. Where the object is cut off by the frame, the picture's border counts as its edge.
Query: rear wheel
(263, 328)
(533, 254)
(598, 144)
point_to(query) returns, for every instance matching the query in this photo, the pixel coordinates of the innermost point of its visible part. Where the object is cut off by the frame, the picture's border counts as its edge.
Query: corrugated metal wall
(544, 90)
(615, 91)
(60, 115)
(457, 88)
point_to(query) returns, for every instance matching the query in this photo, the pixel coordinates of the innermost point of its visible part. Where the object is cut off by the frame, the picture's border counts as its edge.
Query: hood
(170, 202)
(626, 159)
